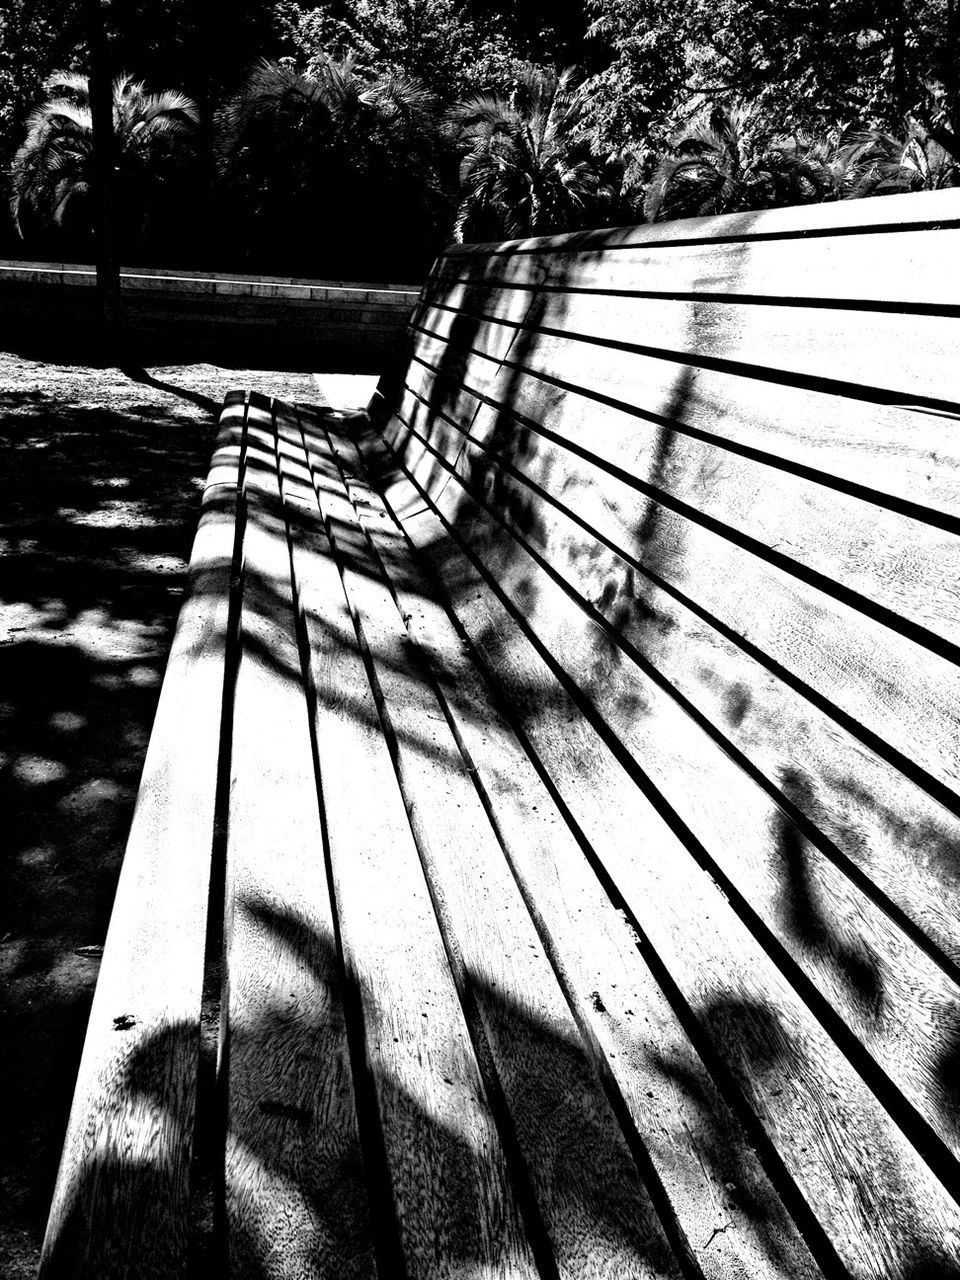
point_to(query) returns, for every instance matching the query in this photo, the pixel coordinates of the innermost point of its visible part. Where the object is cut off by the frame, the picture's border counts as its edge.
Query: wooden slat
(693, 493)
(888, 993)
(897, 560)
(446, 1180)
(121, 1205)
(597, 1216)
(877, 447)
(788, 736)
(774, 343)
(920, 268)
(295, 1193)
(812, 1106)
(694, 489)
(884, 680)
(612, 993)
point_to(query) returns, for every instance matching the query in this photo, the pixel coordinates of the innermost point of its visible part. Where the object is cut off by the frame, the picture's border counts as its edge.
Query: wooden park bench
(556, 779)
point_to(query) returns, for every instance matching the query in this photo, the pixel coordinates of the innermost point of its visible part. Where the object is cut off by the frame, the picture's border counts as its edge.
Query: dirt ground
(102, 472)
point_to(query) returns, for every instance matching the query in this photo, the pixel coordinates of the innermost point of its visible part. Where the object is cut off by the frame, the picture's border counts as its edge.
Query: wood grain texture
(618, 570)
(796, 345)
(121, 1205)
(811, 1104)
(296, 1202)
(900, 561)
(447, 1183)
(693, 493)
(890, 994)
(920, 269)
(594, 811)
(597, 1216)
(699, 1154)
(879, 452)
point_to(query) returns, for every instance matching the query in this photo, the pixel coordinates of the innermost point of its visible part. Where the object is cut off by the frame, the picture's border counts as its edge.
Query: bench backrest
(694, 490)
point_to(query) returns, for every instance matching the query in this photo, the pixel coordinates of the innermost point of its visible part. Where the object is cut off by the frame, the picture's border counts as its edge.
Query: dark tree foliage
(202, 49)
(207, 49)
(37, 37)
(726, 162)
(336, 173)
(438, 41)
(550, 32)
(52, 175)
(845, 97)
(526, 166)
(804, 64)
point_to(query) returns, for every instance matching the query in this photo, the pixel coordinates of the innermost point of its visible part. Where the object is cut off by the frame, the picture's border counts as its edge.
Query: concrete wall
(201, 313)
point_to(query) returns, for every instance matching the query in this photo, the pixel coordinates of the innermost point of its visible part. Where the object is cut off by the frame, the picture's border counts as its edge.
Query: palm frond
(171, 104)
(51, 172)
(58, 116)
(68, 84)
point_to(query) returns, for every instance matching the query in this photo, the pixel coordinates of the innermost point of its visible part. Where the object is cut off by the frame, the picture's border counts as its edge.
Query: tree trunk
(898, 40)
(104, 179)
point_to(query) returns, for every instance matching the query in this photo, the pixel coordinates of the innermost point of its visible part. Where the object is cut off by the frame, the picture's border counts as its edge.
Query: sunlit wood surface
(569, 762)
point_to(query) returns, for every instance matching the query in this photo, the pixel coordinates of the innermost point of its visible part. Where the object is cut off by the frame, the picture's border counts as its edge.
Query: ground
(102, 473)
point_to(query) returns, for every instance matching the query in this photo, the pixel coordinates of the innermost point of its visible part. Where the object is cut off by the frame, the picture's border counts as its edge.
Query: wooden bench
(557, 780)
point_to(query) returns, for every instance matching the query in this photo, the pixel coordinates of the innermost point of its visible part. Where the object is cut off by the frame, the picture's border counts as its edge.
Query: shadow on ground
(103, 479)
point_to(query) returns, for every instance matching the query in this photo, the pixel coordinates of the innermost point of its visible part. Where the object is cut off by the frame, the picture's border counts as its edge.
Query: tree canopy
(51, 176)
(696, 105)
(527, 167)
(802, 64)
(336, 170)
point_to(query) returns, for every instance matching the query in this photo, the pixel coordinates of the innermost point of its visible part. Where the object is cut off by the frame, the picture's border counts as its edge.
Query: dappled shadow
(484, 508)
(934, 838)
(767, 1062)
(747, 1034)
(808, 919)
(627, 596)
(102, 493)
(340, 1185)
(755, 1046)
(548, 1079)
(98, 518)
(465, 471)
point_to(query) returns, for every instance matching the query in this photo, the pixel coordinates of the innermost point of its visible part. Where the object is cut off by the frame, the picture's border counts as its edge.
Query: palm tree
(527, 168)
(878, 164)
(52, 173)
(725, 163)
(335, 170)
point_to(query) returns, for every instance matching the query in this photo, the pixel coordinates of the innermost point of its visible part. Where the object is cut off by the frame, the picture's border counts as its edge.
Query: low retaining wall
(210, 313)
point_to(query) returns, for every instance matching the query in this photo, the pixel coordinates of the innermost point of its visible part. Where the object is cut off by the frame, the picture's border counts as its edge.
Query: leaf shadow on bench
(575, 1156)
(811, 920)
(268, 606)
(483, 506)
(769, 1059)
(493, 486)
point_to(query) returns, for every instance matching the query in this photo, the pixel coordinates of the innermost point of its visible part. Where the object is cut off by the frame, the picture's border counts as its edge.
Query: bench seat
(338, 826)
